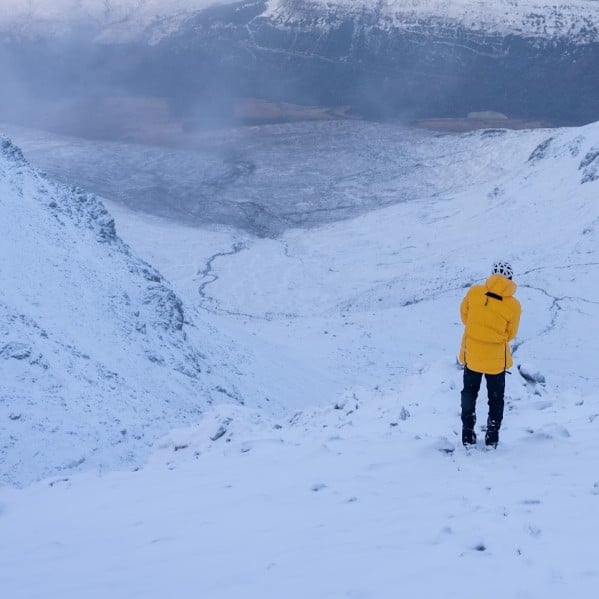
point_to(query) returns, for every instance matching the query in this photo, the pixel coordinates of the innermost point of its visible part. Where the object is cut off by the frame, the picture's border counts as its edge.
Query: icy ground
(354, 484)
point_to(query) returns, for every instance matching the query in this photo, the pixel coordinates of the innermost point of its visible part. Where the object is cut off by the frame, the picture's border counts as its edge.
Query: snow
(122, 20)
(574, 19)
(96, 352)
(265, 180)
(335, 504)
(58, 9)
(348, 478)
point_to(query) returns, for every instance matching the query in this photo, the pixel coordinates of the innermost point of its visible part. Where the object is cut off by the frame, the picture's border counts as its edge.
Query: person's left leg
(495, 392)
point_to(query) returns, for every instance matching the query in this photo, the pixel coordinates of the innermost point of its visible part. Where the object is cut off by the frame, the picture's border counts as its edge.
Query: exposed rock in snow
(590, 165)
(531, 373)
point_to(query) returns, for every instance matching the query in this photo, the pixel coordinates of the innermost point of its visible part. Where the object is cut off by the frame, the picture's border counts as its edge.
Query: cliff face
(425, 59)
(393, 64)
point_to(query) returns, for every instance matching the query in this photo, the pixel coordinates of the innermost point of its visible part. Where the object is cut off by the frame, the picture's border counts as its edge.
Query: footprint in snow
(534, 531)
(444, 445)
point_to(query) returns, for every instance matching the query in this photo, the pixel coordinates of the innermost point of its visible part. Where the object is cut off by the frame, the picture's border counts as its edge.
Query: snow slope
(362, 491)
(532, 199)
(97, 353)
(362, 501)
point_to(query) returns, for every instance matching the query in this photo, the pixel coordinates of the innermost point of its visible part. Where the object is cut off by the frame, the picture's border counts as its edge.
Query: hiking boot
(468, 437)
(492, 434)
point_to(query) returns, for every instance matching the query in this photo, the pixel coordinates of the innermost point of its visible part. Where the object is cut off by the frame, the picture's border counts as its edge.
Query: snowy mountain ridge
(125, 20)
(98, 354)
(576, 21)
(112, 20)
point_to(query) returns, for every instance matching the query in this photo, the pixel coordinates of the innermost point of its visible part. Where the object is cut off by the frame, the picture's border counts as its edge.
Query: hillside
(528, 196)
(97, 351)
(124, 20)
(360, 487)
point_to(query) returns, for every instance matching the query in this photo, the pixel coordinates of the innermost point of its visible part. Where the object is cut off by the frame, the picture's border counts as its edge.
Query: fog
(228, 65)
(176, 108)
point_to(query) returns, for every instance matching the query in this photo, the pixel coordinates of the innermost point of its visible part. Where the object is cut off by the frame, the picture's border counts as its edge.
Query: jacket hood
(501, 285)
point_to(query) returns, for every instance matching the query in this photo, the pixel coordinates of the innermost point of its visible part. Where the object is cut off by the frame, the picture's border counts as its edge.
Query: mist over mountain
(424, 59)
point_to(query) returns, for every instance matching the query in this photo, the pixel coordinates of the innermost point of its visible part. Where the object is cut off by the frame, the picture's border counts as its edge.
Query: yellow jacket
(491, 315)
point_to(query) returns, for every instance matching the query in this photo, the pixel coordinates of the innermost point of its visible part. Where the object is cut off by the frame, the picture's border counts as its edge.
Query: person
(491, 315)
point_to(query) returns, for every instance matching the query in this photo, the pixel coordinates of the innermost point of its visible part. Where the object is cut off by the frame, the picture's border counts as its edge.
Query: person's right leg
(470, 391)
(496, 392)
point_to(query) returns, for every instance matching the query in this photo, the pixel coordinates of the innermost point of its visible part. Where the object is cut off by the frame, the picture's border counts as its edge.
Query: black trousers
(495, 392)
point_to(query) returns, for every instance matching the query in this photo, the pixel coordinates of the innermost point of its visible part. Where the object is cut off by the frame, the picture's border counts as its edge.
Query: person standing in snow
(491, 315)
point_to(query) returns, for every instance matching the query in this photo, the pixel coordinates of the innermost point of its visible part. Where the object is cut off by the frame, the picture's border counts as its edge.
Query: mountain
(98, 354)
(118, 20)
(122, 20)
(425, 58)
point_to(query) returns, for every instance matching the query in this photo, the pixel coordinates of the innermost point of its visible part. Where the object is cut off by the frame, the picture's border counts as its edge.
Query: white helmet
(502, 268)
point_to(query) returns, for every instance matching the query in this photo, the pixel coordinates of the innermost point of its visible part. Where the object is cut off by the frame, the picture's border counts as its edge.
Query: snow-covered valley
(342, 475)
